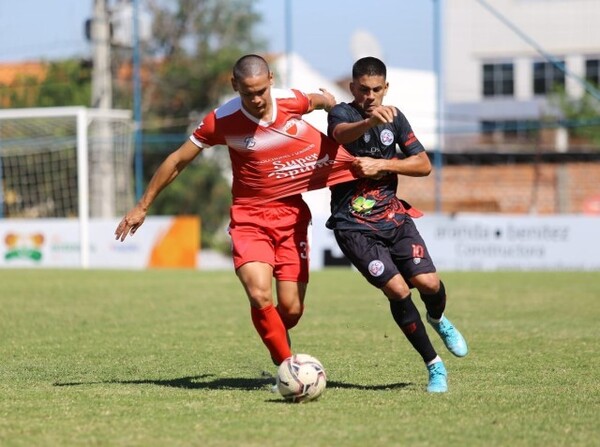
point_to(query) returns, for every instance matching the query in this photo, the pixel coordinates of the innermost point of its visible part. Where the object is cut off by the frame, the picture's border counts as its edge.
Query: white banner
(55, 243)
(491, 242)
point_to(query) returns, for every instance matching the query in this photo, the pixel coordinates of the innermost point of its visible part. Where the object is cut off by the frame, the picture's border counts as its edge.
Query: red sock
(269, 326)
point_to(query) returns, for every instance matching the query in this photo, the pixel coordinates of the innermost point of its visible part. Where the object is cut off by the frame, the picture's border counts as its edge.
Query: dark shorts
(381, 255)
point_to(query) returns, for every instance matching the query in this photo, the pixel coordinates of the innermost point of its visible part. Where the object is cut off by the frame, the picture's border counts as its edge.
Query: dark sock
(407, 317)
(435, 303)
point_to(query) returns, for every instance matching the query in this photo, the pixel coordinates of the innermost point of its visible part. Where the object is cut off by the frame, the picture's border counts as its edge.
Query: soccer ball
(301, 378)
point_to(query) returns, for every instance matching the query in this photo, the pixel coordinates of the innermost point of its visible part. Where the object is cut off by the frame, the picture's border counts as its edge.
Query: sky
(322, 31)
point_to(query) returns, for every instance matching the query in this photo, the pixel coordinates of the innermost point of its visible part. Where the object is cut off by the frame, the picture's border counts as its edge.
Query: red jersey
(270, 160)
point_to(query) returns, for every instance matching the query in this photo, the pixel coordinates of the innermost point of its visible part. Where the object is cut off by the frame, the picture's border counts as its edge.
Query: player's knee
(428, 283)
(259, 297)
(396, 288)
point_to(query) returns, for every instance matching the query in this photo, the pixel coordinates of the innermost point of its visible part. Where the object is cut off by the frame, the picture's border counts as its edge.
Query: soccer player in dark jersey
(374, 228)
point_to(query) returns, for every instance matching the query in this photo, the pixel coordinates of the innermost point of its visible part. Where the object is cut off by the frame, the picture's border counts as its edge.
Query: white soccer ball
(301, 378)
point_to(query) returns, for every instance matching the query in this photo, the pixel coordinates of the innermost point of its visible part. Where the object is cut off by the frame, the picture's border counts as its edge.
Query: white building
(500, 63)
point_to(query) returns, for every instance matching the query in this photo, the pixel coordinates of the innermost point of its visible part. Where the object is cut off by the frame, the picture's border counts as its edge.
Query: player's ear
(270, 78)
(387, 84)
(234, 84)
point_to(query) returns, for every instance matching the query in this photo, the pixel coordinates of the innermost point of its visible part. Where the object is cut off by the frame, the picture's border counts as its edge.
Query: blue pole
(288, 43)
(137, 103)
(437, 63)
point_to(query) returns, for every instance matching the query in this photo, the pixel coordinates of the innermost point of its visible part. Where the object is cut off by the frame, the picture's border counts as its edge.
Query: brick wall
(513, 189)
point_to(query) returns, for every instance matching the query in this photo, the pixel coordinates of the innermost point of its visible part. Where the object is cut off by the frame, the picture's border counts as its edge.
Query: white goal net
(61, 162)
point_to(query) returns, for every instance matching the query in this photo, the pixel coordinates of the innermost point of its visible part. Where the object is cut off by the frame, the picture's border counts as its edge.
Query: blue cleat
(437, 378)
(451, 337)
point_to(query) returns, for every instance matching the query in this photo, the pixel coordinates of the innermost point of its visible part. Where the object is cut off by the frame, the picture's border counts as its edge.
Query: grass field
(169, 358)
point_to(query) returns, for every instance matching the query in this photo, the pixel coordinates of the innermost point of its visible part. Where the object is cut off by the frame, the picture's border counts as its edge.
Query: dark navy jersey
(368, 203)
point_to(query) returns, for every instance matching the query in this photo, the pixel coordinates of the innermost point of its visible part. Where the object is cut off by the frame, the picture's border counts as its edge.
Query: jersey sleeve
(337, 115)
(302, 103)
(207, 133)
(406, 139)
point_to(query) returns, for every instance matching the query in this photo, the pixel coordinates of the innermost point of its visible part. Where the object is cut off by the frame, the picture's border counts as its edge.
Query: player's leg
(291, 271)
(257, 277)
(253, 258)
(371, 256)
(419, 268)
(290, 301)
(407, 317)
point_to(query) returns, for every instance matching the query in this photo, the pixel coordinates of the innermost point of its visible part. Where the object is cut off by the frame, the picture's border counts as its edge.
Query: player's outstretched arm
(321, 101)
(169, 169)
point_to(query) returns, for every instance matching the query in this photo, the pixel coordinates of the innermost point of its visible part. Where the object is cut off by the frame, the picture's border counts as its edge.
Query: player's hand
(130, 223)
(383, 114)
(369, 167)
(329, 98)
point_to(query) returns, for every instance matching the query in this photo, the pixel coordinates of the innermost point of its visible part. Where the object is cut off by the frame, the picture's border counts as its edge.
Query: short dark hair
(250, 65)
(368, 66)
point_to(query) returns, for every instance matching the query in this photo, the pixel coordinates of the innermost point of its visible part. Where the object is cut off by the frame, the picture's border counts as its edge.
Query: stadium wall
(489, 242)
(528, 188)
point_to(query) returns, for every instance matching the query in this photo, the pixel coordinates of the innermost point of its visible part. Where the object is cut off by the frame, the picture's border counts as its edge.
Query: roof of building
(11, 71)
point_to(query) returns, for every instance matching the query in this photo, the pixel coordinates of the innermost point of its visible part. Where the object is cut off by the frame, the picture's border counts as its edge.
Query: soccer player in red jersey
(275, 156)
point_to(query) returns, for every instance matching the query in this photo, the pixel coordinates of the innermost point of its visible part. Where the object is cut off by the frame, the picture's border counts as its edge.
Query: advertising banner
(491, 242)
(160, 242)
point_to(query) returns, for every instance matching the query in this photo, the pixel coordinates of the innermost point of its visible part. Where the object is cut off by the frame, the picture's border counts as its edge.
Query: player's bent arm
(348, 132)
(345, 133)
(413, 166)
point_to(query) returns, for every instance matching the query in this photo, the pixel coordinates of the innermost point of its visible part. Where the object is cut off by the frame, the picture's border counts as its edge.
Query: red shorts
(275, 233)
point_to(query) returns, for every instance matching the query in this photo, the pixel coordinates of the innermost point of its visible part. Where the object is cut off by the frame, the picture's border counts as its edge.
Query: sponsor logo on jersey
(362, 205)
(249, 142)
(291, 127)
(376, 268)
(386, 137)
(367, 137)
(292, 168)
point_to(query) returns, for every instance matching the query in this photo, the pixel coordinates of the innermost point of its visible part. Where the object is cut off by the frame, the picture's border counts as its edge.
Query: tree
(581, 117)
(198, 41)
(66, 83)
(195, 44)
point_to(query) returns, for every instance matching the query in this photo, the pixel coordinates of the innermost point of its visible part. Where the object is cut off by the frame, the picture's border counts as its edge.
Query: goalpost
(63, 162)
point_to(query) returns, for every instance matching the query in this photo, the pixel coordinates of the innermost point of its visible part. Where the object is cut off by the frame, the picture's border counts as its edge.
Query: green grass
(170, 358)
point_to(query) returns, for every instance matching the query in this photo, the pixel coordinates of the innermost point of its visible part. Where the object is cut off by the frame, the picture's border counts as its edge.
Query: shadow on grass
(206, 381)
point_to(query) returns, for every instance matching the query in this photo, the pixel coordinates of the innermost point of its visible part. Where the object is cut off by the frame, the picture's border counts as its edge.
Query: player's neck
(265, 116)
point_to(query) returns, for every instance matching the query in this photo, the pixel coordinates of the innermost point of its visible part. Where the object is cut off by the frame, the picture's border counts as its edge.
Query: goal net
(61, 162)
(42, 173)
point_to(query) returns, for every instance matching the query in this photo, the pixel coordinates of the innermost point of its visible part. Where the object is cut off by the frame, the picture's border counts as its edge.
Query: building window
(498, 79)
(592, 71)
(547, 77)
(509, 131)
